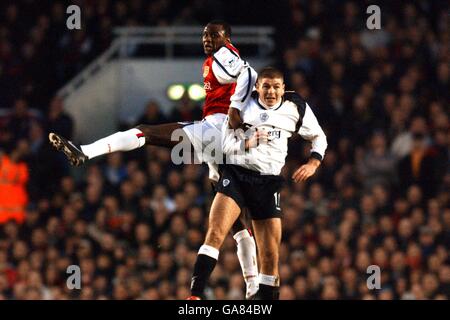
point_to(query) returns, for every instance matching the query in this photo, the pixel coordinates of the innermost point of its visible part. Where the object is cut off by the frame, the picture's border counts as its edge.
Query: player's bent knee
(214, 238)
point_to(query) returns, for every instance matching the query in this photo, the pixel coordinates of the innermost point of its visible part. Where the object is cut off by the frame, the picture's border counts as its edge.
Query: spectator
(377, 167)
(419, 167)
(152, 115)
(186, 110)
(14, 177)
(59, 121)
(19, 120)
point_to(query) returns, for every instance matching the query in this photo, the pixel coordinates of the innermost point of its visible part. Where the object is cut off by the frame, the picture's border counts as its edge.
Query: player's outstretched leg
(157, 135)
(73, 154)
(246, 252)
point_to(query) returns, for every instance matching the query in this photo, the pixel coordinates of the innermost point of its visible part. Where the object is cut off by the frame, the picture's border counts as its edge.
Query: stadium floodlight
(196, 92)
(175, 91)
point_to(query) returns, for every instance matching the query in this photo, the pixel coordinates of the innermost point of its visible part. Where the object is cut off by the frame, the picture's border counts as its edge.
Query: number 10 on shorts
(276, 195)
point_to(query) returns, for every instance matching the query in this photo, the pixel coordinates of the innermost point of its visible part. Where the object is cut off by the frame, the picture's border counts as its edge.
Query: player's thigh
(193, 132)
(205, 137)
(224, 212)
(212, 140)
(229, 184)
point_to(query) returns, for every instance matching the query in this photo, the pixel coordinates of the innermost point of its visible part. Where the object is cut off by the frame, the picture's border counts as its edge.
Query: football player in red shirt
(228, 81)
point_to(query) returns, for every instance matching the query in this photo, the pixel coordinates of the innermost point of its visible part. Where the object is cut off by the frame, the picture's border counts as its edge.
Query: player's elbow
(320, 143)
(234, 118)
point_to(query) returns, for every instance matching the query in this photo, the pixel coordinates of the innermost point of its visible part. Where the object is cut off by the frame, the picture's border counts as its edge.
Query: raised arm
(311, 130)
(228, 67)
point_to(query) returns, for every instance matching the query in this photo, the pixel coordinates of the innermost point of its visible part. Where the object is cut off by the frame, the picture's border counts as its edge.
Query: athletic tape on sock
(273, 281)
(243, 234)
(209, 251)
(139, 134)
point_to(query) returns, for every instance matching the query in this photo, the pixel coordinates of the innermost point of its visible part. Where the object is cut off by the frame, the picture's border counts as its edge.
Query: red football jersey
(217, 95)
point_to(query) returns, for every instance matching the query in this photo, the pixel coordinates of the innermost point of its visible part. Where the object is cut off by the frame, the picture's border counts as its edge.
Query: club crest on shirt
(264, 116)
(225, 182)
(205, 71)
(231, 62)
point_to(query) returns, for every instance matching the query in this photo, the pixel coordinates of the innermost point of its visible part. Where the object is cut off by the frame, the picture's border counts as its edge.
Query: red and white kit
(228, 81)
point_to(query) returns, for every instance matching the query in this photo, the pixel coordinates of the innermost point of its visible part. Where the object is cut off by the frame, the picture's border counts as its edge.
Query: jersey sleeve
(244, 87)
(227, 65)
(311, 130)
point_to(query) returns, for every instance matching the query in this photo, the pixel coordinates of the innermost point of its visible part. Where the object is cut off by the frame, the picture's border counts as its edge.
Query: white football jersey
(291, 115)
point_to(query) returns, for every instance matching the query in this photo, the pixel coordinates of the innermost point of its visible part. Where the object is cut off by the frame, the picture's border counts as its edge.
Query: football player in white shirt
(252, 179)
(228, 80)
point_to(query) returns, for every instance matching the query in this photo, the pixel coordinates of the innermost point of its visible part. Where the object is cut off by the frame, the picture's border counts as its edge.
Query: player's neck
(265, 106)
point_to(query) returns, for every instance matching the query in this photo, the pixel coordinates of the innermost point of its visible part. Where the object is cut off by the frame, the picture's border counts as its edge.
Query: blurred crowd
(134, 221)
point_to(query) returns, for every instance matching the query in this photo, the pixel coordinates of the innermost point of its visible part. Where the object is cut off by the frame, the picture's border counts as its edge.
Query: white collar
(265, 106)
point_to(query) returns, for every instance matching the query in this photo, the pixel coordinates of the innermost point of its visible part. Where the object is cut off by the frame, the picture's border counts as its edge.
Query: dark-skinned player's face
(213, 38)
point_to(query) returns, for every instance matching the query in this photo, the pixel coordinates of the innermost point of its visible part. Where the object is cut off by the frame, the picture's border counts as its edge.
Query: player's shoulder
(227, 52)
(232, 48)
(292, 97)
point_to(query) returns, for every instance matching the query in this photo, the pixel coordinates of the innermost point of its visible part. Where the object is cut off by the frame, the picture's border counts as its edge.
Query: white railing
(261, 37)
(90, 70)
(128, 38)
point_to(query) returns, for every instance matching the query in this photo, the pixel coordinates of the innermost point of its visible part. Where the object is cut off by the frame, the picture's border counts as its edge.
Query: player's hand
(306, 170)
(258, 137)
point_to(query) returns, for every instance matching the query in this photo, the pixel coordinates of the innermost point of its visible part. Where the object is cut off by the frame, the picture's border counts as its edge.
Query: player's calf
(160, 135)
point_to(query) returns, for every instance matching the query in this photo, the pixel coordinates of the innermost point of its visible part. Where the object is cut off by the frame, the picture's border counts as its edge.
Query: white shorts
(206, 138)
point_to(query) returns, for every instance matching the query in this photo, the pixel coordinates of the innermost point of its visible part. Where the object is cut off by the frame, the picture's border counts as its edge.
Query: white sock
(119, 141)
(269, 280)
(209, 251)
(246, 251)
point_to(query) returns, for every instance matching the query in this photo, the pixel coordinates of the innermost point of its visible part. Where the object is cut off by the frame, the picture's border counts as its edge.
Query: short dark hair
(270, 72)
(225, 26)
